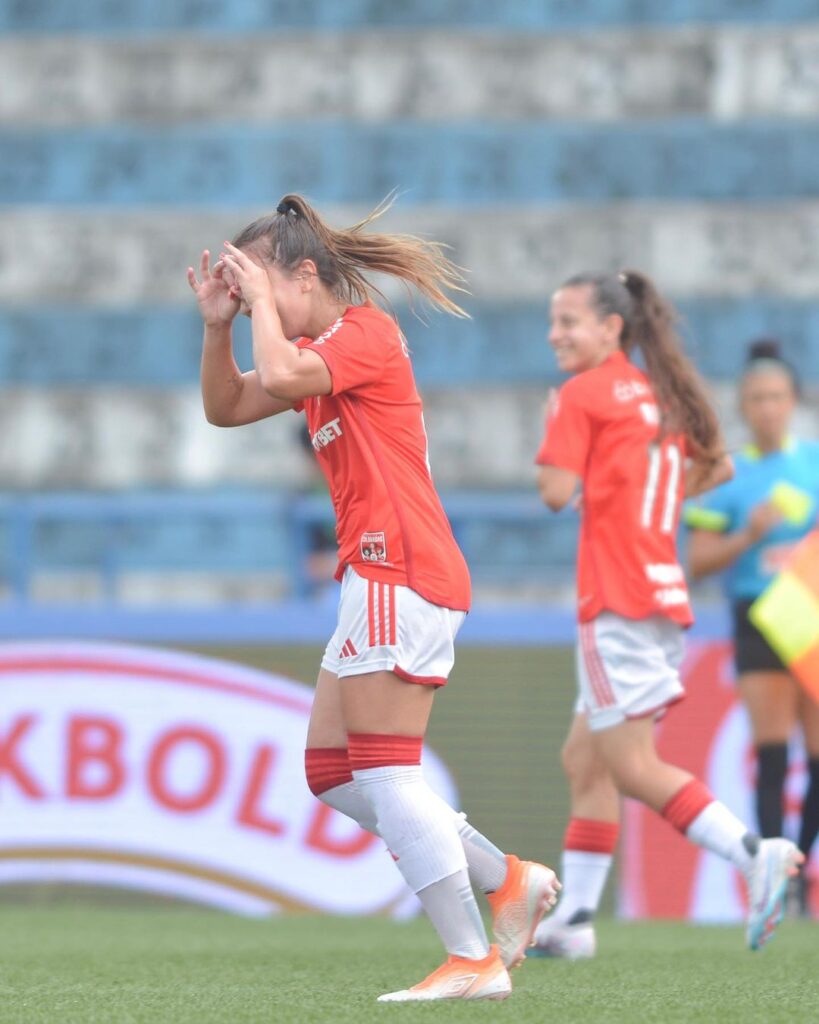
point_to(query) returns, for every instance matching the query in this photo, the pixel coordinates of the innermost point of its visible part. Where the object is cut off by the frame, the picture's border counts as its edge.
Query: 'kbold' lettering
(94, 767)
(8, 758)
(213, 778)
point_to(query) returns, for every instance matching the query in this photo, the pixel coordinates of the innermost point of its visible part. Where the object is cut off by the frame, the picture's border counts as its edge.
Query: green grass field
(117, 965)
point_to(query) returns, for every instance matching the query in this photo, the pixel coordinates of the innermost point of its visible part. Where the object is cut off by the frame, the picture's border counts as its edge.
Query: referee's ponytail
(649, 324)
(343, 257)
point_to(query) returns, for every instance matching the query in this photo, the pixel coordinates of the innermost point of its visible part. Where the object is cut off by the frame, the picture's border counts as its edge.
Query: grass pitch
(118, 965)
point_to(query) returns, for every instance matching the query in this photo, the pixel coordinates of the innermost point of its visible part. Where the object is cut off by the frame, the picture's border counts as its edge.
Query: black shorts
(752, 652)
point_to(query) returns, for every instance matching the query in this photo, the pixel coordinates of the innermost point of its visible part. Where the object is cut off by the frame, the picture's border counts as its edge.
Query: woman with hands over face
(322, 346)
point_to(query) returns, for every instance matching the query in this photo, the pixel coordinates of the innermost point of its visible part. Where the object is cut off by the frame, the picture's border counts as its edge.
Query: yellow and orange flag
(787, 613)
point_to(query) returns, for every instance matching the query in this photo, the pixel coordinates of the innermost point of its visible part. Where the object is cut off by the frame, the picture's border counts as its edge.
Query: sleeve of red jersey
(354, 356)
(568, 430)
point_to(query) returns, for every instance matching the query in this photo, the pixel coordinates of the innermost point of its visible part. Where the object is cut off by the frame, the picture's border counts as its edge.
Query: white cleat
(563, 941)
(529, 891)
(775, 862)
(459, 978)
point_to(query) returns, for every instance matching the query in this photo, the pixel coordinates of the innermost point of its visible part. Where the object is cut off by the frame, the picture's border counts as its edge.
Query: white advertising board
(173, 773)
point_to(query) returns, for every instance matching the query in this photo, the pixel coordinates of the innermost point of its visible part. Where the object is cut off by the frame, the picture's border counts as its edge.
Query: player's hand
(763, 518)
(250, 278)
(219, 300)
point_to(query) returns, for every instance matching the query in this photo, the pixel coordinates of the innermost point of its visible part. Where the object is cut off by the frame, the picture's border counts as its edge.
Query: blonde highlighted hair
(343, 257)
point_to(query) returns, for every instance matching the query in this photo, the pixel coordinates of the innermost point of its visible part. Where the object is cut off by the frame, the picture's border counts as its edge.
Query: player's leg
(633, 671)
(505, 880)
(386, 719)
(689, 806)
(588, 849)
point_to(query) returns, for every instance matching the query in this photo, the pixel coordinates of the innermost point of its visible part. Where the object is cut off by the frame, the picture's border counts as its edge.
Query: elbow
(217, 419)
(554, 502)
(279, 384)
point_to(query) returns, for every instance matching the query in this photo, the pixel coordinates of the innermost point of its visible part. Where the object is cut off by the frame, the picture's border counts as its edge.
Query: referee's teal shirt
(727, 508)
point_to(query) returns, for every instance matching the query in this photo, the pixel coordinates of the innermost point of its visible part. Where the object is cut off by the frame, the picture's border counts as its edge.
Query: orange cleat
(459, 978)
(529, 891)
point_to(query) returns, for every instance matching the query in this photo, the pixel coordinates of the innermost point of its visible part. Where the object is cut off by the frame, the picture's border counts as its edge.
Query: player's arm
(564, 448)
(232, 398)
(711, 549)
(705, 476)
(557, 486)
(284, 370)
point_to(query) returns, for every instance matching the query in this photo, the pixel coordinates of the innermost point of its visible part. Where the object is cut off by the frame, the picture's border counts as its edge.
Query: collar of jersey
(751, 452)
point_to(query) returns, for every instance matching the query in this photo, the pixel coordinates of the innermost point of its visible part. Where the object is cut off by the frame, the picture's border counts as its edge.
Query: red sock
(687, 804)
(326, 768)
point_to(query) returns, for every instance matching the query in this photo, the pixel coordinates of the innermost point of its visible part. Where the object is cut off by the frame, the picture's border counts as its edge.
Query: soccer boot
(566, 940)
(459, 978)
(528, 891)
(775, 861)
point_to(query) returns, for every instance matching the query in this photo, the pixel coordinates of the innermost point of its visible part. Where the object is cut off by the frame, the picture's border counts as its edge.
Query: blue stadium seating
(280, 15)
(501, 344)
(464, 166)
(453, 164)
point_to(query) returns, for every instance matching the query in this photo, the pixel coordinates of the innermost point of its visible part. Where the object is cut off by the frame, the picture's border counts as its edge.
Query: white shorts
(385, 627)
(627, 668)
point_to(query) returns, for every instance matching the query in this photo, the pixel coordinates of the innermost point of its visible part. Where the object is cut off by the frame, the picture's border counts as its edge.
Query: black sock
(810, 808)
(772, 765)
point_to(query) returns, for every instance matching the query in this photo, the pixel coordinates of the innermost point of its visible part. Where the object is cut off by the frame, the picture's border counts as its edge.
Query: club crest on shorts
(374, 547)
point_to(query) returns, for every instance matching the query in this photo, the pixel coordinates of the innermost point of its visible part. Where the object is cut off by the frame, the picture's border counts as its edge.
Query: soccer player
(405, 587)
(636, 442)
(747, 527)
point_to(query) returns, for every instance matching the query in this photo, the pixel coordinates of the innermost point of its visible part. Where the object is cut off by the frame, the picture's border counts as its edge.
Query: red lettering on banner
(250, 814)
(214, 777)
(8, 758)
(318, 836)
(93, 741)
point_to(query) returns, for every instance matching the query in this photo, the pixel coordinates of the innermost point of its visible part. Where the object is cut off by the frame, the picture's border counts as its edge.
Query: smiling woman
(635, 442)
(405, 585)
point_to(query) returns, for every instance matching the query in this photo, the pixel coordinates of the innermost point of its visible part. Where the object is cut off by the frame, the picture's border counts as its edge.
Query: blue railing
(506, 537)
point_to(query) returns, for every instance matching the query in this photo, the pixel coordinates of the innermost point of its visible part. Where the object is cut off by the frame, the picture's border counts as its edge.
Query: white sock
(716, 829)
(450, 905)
(487, 864)
(421, 834)
(584, 878)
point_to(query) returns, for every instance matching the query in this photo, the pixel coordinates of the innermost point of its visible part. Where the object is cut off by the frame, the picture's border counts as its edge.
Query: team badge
(374, 547)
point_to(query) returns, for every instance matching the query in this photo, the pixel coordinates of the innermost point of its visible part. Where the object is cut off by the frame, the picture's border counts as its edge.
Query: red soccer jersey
(605, 428)
(371, 444)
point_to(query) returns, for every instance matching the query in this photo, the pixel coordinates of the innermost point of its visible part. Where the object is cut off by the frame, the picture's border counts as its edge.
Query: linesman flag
(787, 613)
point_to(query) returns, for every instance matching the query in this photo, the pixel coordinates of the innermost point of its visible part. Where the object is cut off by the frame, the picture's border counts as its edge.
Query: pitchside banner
(167, 772)
(663, 875)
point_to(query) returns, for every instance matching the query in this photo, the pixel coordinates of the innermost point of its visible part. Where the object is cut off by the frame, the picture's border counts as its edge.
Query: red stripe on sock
(376, 750)
(326, 768)
(687, 804)
(589, 836)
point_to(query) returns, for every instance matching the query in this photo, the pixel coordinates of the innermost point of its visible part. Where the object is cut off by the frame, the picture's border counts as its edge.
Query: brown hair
(649, 324)
(295, 232)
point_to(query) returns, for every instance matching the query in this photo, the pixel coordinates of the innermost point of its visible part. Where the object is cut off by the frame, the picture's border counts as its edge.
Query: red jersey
(605, 428)
(371, 444)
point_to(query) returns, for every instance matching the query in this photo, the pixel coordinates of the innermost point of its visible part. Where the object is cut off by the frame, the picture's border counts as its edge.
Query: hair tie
(284, 207)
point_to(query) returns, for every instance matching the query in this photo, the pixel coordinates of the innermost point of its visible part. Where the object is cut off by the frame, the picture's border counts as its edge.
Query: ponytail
(343, 258)
(649, 324)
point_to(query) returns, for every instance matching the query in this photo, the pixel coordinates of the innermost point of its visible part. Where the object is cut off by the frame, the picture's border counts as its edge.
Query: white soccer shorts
(627, 668)
(386, 627)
